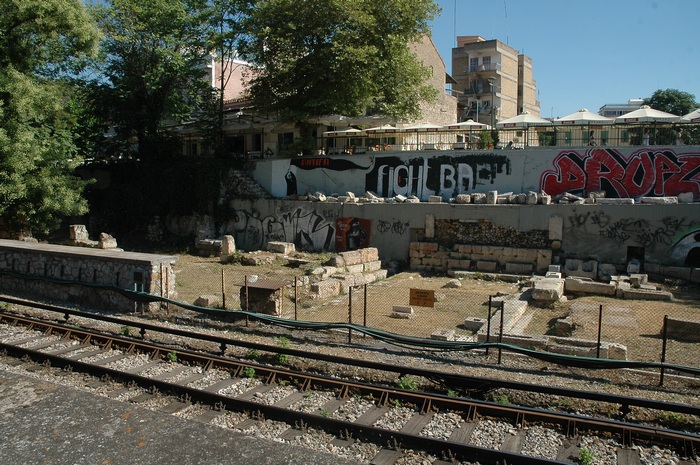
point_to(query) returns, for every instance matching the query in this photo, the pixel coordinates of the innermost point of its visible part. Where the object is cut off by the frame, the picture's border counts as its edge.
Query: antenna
(454, 24)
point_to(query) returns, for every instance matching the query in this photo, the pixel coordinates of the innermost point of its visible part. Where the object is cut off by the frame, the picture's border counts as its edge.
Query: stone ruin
(79, 237)
(346, 270)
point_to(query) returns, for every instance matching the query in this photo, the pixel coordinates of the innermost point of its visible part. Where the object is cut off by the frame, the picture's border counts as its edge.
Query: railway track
(447, 427)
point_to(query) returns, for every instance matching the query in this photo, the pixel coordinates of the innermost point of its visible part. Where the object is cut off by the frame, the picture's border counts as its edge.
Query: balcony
(483, 68)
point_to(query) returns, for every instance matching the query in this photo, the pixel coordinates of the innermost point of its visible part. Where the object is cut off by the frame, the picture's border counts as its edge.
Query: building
(247, 133)
(494, 81)
(613, 110)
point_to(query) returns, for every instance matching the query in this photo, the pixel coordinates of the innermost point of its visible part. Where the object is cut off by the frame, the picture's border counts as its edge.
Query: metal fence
(479, 310)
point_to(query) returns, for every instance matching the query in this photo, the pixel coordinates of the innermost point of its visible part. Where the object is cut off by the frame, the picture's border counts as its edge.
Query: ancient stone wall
(78, 274)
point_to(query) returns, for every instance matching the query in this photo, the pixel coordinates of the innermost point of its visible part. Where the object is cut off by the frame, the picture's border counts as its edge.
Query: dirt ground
(636, 324)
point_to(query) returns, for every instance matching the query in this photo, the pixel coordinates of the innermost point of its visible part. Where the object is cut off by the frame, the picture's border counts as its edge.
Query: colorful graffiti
(307, 230)
(442, 175)
(647, 172)
(686, 249)
(352, 233)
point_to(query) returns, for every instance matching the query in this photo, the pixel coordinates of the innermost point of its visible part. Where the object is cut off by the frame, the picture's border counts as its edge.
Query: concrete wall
(148, 273)
(620, 172)
(662, 234)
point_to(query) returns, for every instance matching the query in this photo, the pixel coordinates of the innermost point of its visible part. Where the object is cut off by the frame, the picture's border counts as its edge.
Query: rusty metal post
(167, 292)
(350, 315)
(664, 344)
(500, 332)
(296, 299)
(247, 320)
(600, 330)
(488, 326)
(223, 289)
(364, 321)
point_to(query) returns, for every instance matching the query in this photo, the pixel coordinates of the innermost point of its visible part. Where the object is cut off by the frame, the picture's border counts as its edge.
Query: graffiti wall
(618, 171)
(643, 173)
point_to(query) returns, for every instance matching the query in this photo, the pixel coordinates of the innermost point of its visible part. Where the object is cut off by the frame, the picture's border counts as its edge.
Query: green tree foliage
(155, 68)
(322, 57)
(39, 41)
(672, 101)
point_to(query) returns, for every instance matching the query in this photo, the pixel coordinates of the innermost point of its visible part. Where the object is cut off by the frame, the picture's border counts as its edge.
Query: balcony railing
(482, 68)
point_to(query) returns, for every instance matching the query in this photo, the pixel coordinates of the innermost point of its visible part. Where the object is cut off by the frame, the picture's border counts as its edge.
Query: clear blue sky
(586, 53)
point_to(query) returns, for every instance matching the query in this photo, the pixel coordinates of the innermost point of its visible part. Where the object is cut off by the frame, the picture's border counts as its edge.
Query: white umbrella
(425, 127)
(523, 120)
(692, 117)
(384, 129)
(646, 114)
(469, 125)
(342, 133)
(583, 117)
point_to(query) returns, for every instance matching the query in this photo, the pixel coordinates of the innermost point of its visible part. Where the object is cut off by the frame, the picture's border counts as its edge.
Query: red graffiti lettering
(645, 173)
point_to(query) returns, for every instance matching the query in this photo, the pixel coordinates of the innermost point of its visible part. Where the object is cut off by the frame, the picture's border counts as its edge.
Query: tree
(322, 57)
(39, 41)
(672, 101)
(156, 57)
(226, 29)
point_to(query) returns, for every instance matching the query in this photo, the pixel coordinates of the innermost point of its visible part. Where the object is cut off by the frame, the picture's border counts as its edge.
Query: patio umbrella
(692, 117)
(469, 125)
(523, 120)
(583, 117)
(646, 114)
(384, 129)
(424, 127)
(350, 132)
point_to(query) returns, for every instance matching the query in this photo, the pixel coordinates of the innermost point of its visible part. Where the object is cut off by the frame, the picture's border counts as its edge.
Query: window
(487, 63)
(473, 64)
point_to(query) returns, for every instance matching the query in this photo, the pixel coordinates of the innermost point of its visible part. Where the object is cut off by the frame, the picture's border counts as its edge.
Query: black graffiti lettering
(383, 226)
(399, 228)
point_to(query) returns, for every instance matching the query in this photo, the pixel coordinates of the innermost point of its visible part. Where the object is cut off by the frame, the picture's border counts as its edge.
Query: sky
(586, 53)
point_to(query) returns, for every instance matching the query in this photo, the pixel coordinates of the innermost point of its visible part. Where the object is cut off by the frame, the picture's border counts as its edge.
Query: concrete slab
(41, 422)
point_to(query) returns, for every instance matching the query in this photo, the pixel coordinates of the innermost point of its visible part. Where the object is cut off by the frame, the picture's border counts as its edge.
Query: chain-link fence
(470, 309)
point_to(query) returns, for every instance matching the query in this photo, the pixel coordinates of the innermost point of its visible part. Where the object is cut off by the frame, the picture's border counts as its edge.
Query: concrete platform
(43, 423)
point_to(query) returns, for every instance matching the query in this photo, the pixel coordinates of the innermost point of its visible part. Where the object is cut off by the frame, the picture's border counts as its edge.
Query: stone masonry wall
(53, 272)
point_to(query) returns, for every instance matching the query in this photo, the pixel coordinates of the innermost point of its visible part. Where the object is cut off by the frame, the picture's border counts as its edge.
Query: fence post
(664, 340)
(223, 289)
(500, 332)
(600, 329)
(350, 315)
(296, 298)
(247, 321)
(364, 321)
(488, 326)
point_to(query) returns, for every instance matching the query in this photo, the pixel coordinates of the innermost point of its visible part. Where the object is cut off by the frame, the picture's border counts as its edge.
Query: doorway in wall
(636, 253)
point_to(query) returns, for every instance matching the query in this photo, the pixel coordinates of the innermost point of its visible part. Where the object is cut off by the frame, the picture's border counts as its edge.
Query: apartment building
(494, 81)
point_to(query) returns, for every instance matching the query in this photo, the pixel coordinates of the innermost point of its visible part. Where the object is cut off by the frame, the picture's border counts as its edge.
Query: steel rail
(520, 415)
(450, 380)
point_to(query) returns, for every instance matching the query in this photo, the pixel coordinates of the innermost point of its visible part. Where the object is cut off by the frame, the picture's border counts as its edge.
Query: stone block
(580, 268)
(554, 268)
(606, 271)
(548, 290)
(491, 197)
(578, 285)
(545, 199)
(369, 254)
(682, 330)
(429, 226)
(463, 199)
(285, 248)
(474, 324)
(434, 199)
(645, 294)
(106, 242)
(518, 268)
(326, 288)
(486, 265)
(372, 266)
(400, 198)
(556, 228)
(443, 335)
(337, 261)
(208, 301)
(461, 264)
(78, 233)
(638, 280)
(532, 198)
(353, 257)
(685, 197)
(659, 200)
(359, 268)
(228, 248)
(479, 198)
(625, 201)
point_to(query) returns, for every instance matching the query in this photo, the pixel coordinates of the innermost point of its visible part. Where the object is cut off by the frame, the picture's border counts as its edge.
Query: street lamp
(493, 115)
